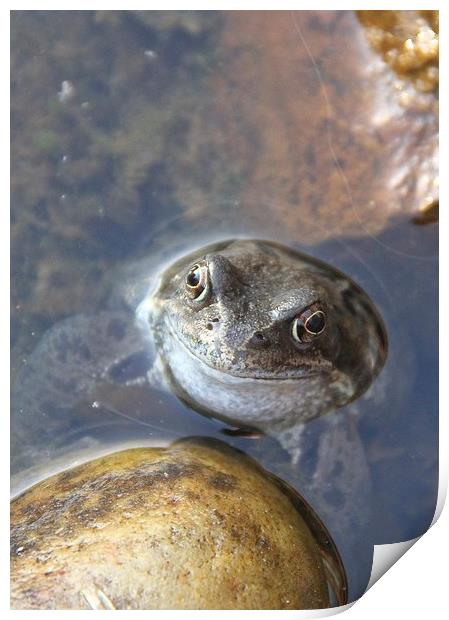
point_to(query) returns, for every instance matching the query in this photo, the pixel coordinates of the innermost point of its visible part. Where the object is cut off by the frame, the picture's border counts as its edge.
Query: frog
(244, 330)
(261, 336)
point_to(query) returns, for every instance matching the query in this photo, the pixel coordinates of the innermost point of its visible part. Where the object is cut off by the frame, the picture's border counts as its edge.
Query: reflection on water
(172, 141)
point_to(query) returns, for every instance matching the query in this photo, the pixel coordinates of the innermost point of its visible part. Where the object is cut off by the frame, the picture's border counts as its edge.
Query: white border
(415, 586)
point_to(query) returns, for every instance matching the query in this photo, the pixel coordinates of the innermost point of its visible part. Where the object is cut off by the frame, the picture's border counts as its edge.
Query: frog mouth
(294, 375)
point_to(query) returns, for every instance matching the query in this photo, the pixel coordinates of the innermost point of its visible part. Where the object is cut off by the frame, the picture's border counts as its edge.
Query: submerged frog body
(247, 331)
(262, 336)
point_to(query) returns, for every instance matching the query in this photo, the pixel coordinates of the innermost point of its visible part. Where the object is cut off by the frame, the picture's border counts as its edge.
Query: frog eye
(197, 280)
(309, 324)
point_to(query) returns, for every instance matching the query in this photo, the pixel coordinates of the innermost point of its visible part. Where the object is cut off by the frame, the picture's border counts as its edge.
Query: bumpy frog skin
(261, 336)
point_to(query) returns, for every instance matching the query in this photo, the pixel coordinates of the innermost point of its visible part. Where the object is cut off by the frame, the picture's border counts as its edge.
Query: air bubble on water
(67, 91)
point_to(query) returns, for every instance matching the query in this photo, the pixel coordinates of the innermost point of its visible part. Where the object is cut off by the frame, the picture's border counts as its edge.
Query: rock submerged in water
(196, 525)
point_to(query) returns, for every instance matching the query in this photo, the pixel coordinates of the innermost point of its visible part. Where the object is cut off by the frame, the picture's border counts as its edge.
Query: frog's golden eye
(197, 281)
(309, 324)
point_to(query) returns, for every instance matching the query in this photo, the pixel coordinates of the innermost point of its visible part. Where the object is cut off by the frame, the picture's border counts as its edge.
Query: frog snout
(225, 278)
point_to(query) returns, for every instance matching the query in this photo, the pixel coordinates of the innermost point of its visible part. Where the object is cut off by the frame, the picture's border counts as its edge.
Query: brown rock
(196, 526)
(310, 130)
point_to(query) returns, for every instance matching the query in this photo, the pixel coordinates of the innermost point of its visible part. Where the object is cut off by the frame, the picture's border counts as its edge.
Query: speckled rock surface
(195, 526)
(409, 43)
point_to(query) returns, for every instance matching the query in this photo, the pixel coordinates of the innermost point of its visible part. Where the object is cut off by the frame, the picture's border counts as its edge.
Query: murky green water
(140, 134)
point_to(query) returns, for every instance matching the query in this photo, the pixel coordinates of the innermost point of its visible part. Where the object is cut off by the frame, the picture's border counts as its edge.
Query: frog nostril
(258, 340)
(210, 325)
